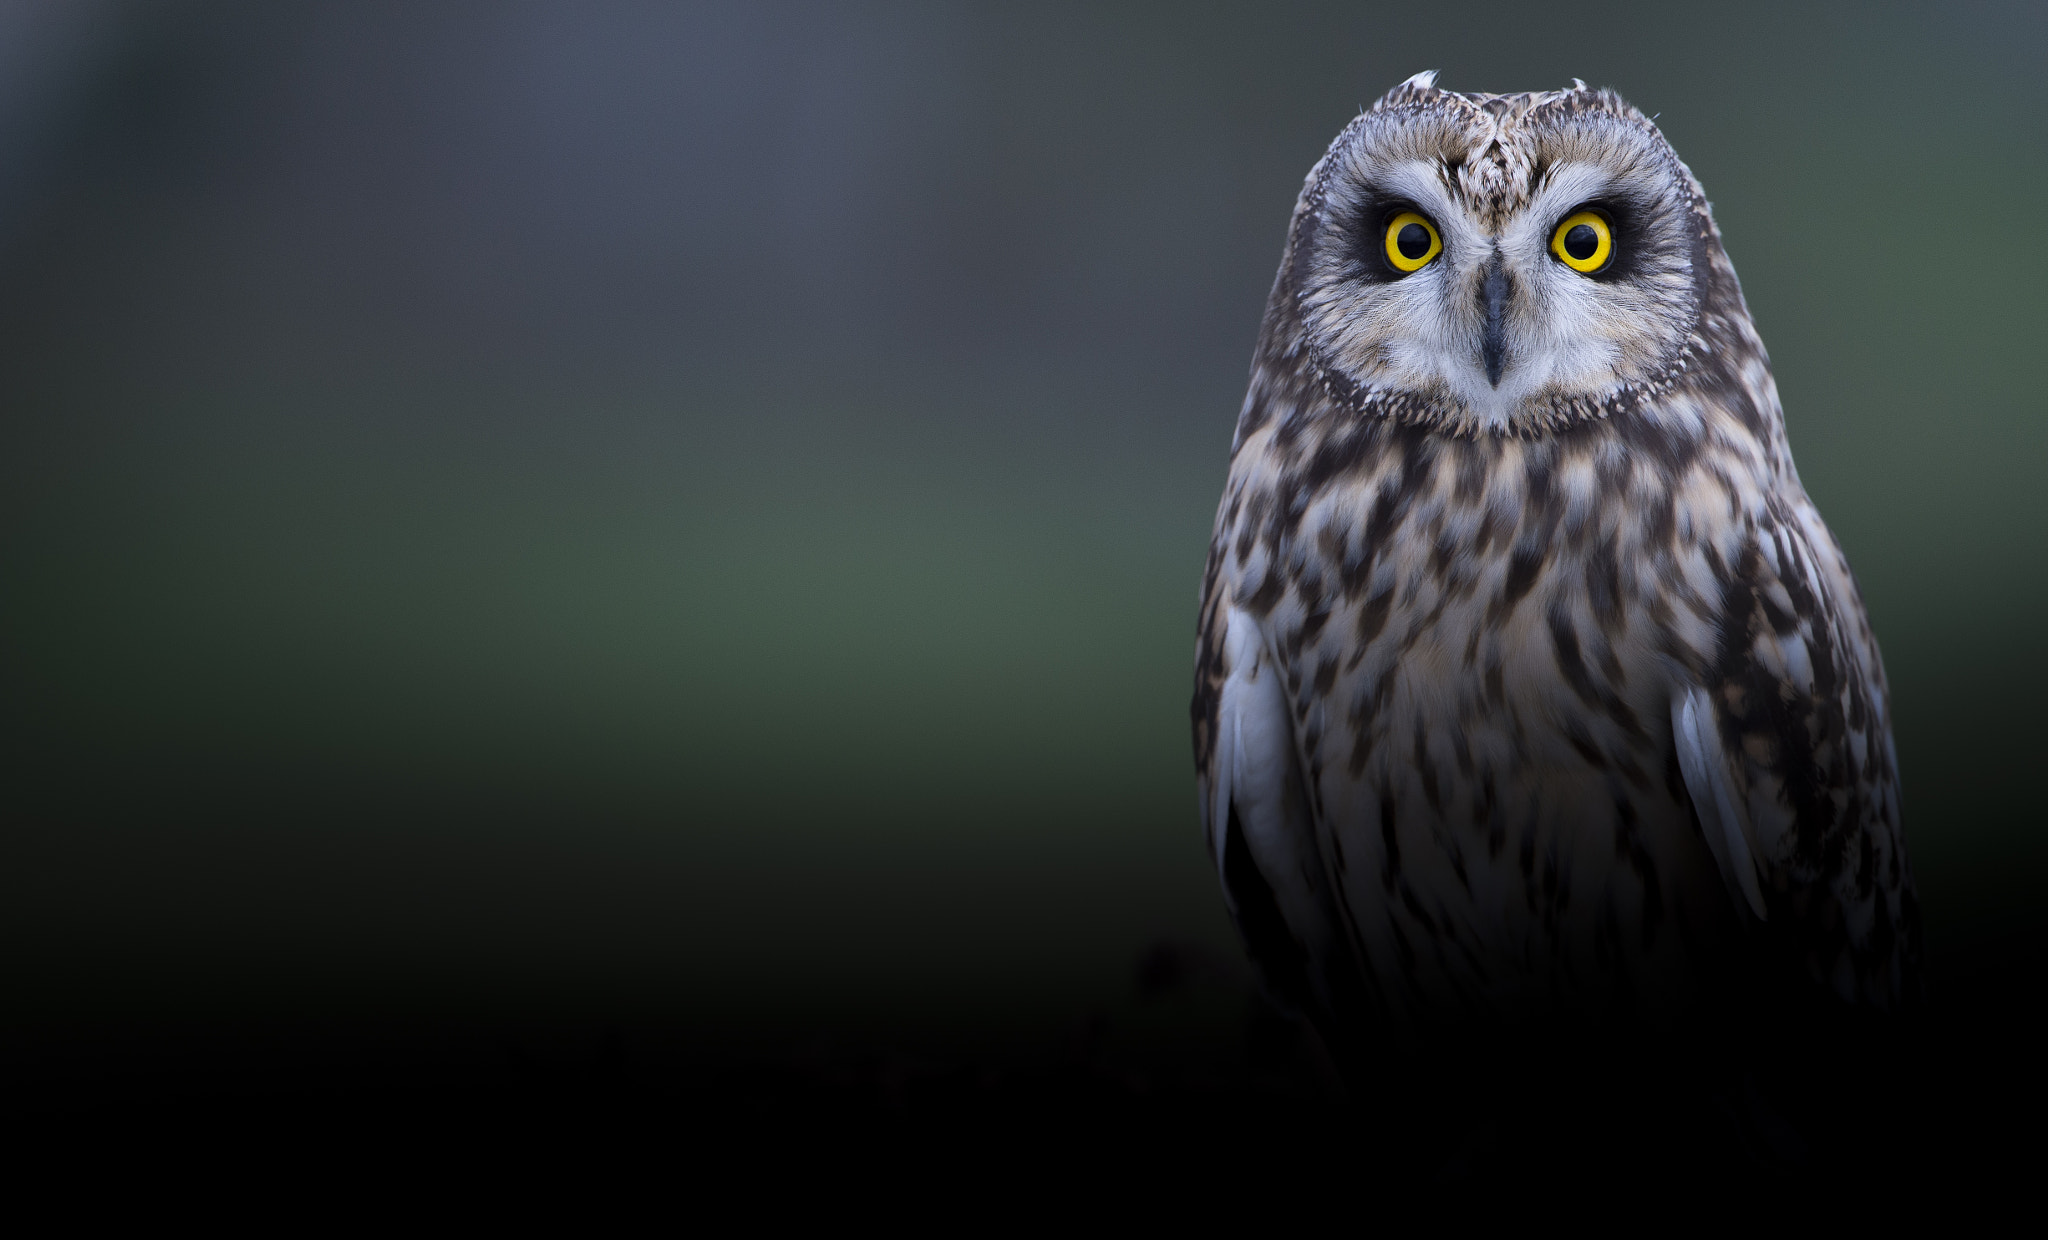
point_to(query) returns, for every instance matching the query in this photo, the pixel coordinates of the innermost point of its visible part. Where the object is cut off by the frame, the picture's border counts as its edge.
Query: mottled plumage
(1531, 685)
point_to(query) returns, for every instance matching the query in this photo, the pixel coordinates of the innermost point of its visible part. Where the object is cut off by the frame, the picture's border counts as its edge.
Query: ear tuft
(1415, 89)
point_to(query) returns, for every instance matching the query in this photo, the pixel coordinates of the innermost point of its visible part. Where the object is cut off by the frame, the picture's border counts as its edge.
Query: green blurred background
(636, 511)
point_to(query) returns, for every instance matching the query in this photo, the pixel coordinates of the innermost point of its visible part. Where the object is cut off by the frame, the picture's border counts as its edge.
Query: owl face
(1499, 263)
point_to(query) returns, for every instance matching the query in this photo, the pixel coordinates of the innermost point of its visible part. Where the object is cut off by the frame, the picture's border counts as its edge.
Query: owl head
(1497, 263)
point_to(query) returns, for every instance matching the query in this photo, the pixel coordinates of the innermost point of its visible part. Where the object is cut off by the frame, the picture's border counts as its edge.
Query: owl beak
(1493, 300)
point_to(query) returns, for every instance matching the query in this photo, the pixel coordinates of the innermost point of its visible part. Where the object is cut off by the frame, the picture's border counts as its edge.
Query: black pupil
(1580, 242)
(1413, 241)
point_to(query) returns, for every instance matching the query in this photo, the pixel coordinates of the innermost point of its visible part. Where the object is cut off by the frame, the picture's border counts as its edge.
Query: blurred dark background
(650, 539)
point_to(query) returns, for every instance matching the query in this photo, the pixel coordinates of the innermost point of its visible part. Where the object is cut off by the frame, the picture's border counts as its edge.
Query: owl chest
(1485, 738)
(1483, 661)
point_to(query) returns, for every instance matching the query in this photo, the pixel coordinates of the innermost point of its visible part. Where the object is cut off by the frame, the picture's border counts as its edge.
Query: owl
(1531, 691)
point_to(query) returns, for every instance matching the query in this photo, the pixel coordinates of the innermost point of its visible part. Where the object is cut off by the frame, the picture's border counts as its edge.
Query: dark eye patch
(1633, 239)
(1363, 230)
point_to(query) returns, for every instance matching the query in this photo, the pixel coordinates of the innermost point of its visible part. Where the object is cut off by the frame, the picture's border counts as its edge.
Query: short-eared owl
(1531, 686)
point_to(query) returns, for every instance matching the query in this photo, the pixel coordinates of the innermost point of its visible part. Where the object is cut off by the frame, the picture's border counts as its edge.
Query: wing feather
(1711, 783)
(1261, 830)
(1786, 751)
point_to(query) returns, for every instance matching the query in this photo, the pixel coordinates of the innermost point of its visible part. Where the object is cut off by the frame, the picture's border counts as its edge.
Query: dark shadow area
(1085, 1111)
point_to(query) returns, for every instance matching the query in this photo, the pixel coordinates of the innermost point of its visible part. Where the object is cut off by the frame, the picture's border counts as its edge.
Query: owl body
(1531, 686)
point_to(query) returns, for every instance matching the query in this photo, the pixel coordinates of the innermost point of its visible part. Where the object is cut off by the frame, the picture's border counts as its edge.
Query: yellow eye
(1584, 242)
(1411, 242)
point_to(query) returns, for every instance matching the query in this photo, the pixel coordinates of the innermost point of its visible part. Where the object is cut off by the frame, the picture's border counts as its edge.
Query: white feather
(1707, 777)
(1258, 771)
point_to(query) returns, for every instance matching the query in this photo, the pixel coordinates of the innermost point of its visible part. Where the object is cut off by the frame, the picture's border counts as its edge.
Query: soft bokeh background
(615, 512)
